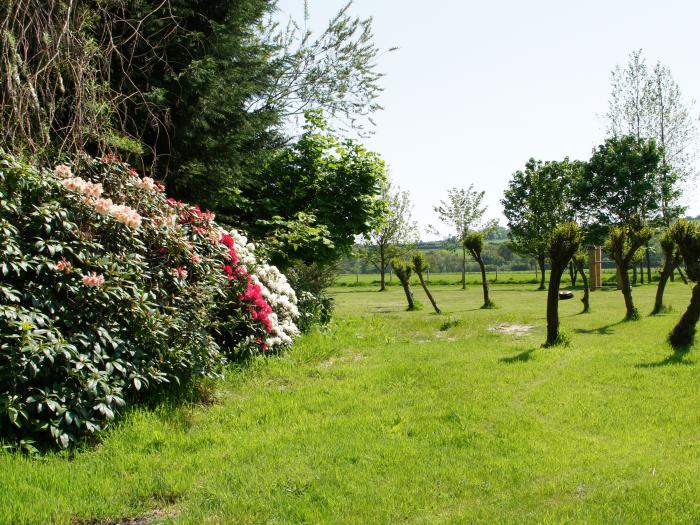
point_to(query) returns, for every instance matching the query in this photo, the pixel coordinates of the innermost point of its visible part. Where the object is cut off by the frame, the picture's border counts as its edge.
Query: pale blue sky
(477, 88)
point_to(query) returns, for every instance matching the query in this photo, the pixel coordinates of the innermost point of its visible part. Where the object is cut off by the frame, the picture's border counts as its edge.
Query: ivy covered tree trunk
(632, 313)
(666, 273)
(684, 332)
(540, 262)
(563, 245)
(553, 305)
(586, 299)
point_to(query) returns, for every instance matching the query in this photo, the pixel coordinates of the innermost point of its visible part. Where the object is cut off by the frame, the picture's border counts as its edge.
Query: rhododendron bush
(110, 291)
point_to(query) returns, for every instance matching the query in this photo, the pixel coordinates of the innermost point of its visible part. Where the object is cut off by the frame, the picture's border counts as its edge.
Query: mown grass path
(388, 418)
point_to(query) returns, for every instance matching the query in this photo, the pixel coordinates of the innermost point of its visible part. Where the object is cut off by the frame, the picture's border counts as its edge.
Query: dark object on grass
(566, 295)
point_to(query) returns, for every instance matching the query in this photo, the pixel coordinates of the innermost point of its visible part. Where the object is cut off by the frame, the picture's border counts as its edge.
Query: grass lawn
(388, 418)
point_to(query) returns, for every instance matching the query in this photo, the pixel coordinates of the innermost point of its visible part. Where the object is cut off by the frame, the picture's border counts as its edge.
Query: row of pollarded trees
(681, 240)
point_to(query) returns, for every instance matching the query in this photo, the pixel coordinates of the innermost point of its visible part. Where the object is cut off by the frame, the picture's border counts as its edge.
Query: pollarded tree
(537, 199)
(462, 211)
(420, 266)
(474, 243)
(403, 271)
(686, 235)
(564, 242)
(393, 236)
(672, 259)
(622, 245)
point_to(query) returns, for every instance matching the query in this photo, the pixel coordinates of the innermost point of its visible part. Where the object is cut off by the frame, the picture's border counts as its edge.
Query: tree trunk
(586, 299)
(464, 268)
(427, 292)
(666, 272)
(634, 274)
(382, 270)
(484, 284)
(684, 332)
(409, 293)
(540, 262)
(553, 305)
(648, 265)
(680, 272)
(632, 313)
(641, 272)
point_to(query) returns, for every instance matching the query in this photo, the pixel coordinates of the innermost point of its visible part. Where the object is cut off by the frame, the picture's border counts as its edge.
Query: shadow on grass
(678, 357)
(603, 330)
(522, 357)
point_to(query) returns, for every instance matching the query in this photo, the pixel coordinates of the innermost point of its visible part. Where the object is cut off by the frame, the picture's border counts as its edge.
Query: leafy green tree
(686, 235)
(420, 266)
(393, 236)
(620, 181)
(536, 200)
(403, 271)
(622, 245)
(474, 243)
(564, 242)
(323, 189)
(462, 211)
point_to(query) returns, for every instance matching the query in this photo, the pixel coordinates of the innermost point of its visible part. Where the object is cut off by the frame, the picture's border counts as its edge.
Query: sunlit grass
(394, 416)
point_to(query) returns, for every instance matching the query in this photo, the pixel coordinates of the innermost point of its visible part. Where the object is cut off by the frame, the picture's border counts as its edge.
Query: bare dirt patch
(518, 330)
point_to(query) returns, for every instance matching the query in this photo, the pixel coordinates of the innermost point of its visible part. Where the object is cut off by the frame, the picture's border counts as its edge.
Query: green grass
(395, 416)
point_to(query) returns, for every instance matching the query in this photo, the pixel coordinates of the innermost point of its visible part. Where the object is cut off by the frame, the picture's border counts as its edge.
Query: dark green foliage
(310, 281)
(622, 181)
(686, 235)
(537, 199)
(564, 242)
(315, 197)
(71, 354)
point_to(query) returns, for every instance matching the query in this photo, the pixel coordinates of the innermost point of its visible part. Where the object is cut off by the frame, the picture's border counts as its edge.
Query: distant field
(369, 279)
(392, 417)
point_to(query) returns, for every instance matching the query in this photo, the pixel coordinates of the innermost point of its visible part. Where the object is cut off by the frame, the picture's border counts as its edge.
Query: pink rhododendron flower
(103, 206)
(93, 280)
(196, 258)
(147, 183)
(110, 157)
(63, 171)
(64, 266)
(179, 272)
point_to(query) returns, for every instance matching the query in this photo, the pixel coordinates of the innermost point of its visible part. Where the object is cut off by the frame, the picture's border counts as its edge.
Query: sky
(477, 88)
